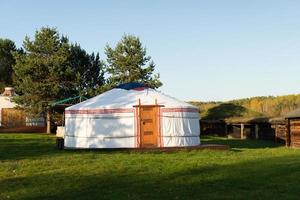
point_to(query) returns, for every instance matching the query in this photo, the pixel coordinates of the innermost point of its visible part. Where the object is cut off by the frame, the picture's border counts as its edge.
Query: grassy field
(31, 168)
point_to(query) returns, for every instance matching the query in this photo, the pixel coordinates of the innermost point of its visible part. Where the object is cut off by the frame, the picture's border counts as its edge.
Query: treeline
(48, 67)
(268, 106)
(271, 106)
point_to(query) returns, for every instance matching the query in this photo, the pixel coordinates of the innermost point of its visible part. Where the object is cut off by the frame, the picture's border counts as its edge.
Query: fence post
(242, 131)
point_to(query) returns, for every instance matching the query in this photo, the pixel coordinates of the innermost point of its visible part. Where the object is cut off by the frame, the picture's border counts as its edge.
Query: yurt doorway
(149, 126)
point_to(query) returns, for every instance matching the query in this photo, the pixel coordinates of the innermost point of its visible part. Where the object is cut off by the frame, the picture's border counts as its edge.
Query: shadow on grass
(23, 146)
(240, 144)
(272, 178)
(33, 146)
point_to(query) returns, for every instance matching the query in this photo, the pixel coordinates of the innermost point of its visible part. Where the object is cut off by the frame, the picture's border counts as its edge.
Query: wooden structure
(12, 118)
(16, 120)
(279, 124)
(287, 128)
(149, 125)
(217, 147)
(293, 128)
(216, 127)
(257, 128)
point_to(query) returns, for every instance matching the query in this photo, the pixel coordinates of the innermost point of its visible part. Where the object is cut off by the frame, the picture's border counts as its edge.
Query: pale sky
(204, 50)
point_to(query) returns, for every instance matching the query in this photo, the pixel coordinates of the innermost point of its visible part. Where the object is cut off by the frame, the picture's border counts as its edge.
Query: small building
(293, 128)
(213, 127)
(255, 128)
(279, 124)
(241, 128)
(13, 119)
(287, 128)
(6, 102)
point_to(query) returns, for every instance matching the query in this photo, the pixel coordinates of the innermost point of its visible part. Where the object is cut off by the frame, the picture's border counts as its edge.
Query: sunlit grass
(31, 168)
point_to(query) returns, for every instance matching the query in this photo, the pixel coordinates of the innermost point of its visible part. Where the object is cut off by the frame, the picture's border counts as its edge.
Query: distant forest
(254, 107)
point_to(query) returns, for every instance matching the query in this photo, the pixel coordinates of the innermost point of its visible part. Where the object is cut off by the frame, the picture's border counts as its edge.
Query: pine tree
(89, 70)
(7, 48)
(43, 72)
(127, 62)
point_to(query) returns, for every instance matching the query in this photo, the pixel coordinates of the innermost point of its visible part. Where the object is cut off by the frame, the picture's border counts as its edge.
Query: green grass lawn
(31, 168)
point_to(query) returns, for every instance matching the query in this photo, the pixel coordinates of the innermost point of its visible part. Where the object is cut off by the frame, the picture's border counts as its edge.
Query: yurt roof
(127, 96)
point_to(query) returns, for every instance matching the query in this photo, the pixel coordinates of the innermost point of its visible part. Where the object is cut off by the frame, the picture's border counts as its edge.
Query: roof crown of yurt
(131, 115)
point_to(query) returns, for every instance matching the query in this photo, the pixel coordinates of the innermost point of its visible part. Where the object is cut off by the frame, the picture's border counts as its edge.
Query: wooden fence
(16, 120)
(12, 118)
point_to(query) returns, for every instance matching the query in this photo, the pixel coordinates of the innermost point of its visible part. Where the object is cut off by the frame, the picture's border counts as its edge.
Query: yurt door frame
(149, 125)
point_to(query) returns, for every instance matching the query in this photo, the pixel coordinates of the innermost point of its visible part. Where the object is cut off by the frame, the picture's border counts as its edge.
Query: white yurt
(131, 116)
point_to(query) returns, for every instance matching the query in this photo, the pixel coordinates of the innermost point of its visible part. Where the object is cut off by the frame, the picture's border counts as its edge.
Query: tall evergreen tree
(7, 48)
(89, 70)
(128, 62)
(43, 72)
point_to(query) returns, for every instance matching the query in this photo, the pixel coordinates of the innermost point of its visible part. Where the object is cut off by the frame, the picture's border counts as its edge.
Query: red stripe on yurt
(101, 111)
(180, 110)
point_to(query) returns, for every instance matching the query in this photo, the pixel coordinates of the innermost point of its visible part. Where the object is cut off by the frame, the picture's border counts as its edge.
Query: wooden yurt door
(148, 126)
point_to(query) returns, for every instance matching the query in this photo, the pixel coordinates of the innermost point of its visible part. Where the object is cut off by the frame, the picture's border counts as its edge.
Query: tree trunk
(48, 123)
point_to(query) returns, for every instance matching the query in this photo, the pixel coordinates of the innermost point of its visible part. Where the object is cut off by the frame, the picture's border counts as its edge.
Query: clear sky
(204, 50)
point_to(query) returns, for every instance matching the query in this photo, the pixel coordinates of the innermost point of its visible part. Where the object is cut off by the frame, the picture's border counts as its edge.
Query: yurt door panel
(148, 124)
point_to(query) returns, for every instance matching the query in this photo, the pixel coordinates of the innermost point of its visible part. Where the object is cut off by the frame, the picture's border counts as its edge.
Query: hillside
(254, 107)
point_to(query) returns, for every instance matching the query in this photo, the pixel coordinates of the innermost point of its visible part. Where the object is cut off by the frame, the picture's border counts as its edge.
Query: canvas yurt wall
(131, 116)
